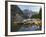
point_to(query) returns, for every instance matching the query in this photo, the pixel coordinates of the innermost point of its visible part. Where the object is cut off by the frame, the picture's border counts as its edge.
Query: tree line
(38, 15)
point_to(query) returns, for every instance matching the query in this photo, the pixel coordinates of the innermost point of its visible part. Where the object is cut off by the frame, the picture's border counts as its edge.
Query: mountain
(16, 13)
(28, 13)
(15, 9)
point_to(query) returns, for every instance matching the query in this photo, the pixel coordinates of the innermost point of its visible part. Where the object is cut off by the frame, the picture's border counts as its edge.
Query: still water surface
(29, 28)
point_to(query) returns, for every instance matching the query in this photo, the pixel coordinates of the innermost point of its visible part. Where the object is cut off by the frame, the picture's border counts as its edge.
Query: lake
(29, 28)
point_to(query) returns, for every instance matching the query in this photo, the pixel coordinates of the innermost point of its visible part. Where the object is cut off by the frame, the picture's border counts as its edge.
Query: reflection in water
(29, 28)
(25, 27)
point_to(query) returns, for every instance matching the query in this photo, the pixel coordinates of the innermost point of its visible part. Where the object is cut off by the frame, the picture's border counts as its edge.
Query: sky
(30, 7)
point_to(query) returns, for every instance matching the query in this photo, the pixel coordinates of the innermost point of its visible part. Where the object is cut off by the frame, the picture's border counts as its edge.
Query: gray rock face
(28, 13)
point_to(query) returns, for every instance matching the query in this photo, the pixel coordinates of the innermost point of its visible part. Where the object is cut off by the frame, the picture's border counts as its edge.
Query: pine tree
(40, 13)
